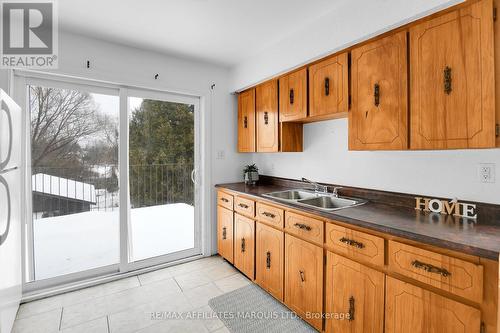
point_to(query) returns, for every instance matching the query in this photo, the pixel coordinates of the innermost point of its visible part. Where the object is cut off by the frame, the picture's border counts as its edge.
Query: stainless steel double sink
(320, 200)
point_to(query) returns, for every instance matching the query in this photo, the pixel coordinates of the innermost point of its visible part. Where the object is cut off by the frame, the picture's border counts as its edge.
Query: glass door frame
(19, 81)
(126, 263)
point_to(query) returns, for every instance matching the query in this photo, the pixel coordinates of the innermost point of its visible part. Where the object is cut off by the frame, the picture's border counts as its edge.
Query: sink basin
(291, 195)
(323, 201)
(329, 202)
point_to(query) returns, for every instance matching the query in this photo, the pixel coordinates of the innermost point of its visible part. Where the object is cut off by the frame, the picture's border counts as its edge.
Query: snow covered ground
(72, 243)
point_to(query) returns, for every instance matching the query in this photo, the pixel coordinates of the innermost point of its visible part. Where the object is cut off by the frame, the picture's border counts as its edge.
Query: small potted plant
(251, 174)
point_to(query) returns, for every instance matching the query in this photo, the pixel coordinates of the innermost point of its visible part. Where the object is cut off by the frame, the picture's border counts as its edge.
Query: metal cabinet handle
(266, 118)
(291, 96)
(302, 276)
(327, 86)
(243, 245)
(224, 200)
(352, 242)
(351, 308)
(430, 268)
(245, 122)
(268, 259)
(302, 226)
(376, 94)
(224, 233)
(447, 80)
(271, 215)
(242, 205)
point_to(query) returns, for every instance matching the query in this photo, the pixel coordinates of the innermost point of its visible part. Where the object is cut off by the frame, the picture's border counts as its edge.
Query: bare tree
(60, 120)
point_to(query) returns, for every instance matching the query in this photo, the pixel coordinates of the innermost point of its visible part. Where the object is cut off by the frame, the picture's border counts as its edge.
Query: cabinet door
(328, 86)
(378, 119)
(452, 80)
(304, 279)
(246, 121)
(244, 245)
(266, 96)
(225, 233)
(269, 259)
(410, 309)
(356, 290)
(293, 96)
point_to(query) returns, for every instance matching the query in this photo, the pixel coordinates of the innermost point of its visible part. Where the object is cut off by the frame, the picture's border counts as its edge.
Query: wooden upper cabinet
(356, 290)
(293, 96)
(378, 119)
(410, 309)
(452, 80)
(328, 86)
(246, 121)
(267, 117)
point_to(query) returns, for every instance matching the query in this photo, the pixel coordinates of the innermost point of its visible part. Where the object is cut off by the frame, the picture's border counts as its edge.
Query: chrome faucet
(318, 188)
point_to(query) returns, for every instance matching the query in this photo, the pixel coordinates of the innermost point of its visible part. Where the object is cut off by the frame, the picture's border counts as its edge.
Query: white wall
(450, 173)
(130, 66)
(348, 24)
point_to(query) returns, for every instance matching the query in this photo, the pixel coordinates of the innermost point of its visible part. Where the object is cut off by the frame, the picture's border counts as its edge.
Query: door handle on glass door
(193, 176)
(4, 234)
(6, 109)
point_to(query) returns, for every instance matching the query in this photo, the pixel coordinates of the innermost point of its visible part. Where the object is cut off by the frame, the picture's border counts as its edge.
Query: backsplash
(443, 173)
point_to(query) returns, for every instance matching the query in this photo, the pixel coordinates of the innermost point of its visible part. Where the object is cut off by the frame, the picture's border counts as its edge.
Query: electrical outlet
(221, 154)
(486, 172)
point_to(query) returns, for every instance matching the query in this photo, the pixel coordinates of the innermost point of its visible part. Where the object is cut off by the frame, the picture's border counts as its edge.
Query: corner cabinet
(379, 114)
(329, 86)
(293, 96)
(259, 129)
(355, 290)
(246, 121)
(452, 80)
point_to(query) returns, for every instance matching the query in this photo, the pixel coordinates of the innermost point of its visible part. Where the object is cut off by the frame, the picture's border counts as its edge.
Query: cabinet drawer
(270, 215)
(225, 200)
(355, 244)
(454, 275)
(244, 206)
(305, 227)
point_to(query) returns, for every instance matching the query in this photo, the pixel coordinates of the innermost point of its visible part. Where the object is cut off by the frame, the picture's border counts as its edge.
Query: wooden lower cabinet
(244, 245)
(413, 310)
(225, 233)
(269, 259)
(304, 279)
(356, 290)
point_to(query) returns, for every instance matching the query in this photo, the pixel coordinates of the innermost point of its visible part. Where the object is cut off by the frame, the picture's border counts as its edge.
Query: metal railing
(64, 191)
(159, 184)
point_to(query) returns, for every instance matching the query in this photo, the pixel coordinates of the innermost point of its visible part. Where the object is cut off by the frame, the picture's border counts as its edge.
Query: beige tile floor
(127, 305)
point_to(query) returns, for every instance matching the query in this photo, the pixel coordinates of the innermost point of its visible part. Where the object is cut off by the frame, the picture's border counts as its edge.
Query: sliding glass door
(74, 180)
(161, 177)
(111, 179)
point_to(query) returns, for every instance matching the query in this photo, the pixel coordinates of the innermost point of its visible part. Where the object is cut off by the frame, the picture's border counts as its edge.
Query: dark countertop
(462, 235)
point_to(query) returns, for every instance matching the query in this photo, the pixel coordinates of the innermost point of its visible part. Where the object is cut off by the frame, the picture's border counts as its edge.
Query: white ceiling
(224, 32)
